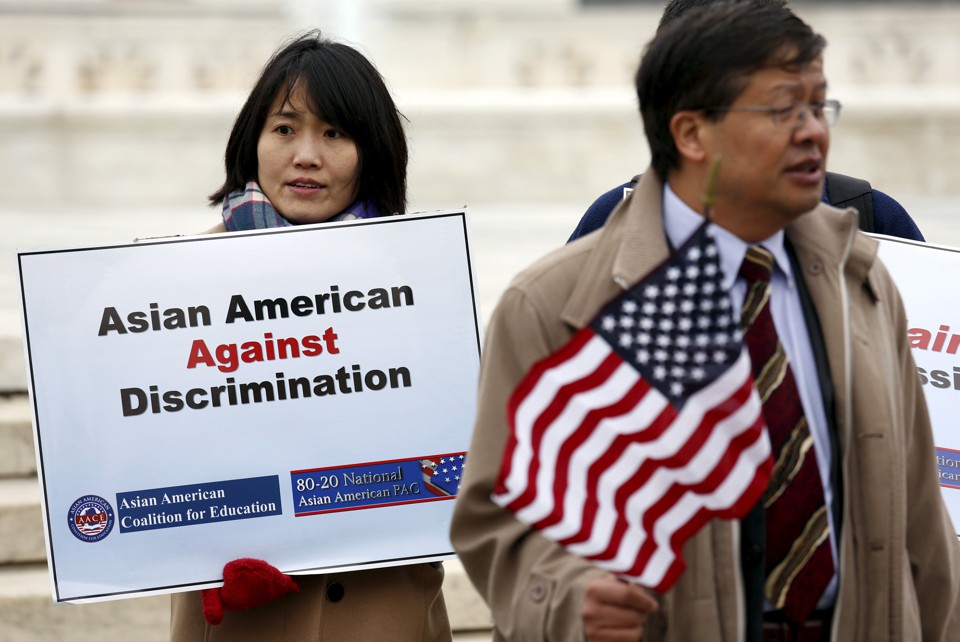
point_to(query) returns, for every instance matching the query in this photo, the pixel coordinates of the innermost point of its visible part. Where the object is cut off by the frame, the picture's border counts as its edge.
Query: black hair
(704, 59)
(341, 87)
(676, 8)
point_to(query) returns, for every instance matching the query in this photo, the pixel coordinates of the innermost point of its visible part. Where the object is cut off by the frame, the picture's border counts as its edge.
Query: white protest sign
(926, 275)
(302, 395)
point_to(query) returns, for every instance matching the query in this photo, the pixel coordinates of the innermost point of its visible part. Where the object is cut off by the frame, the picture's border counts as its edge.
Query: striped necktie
(799, 562)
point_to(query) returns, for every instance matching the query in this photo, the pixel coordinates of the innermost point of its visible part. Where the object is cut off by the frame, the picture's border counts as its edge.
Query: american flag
(442, 475)
(643, 427)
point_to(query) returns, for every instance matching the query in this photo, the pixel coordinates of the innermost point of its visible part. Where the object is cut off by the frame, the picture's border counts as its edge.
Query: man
(744, 84)
(878, 212)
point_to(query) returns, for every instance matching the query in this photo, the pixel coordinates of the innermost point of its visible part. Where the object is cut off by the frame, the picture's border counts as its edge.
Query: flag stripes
(675, 479)
(643, 427)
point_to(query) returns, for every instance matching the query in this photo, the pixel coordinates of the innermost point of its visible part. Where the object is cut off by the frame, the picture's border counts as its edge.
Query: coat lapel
(629, 246)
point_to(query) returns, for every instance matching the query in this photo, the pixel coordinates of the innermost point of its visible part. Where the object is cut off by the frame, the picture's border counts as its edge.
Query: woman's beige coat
(396, 604)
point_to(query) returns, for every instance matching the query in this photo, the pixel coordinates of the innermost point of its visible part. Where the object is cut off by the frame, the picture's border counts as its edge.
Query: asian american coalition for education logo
(90, 518)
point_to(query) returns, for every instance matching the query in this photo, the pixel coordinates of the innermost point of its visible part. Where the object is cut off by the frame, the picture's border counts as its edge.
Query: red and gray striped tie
(799, 562)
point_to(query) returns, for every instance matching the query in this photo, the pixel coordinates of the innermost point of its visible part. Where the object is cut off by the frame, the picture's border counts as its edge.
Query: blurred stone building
(114, 115)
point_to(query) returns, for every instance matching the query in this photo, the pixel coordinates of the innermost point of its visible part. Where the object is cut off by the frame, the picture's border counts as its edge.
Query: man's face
(772, 168)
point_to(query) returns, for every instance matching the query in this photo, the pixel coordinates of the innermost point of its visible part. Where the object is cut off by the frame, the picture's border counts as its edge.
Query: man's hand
(615, 611)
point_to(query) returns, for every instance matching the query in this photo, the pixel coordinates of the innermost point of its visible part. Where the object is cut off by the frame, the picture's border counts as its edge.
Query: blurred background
(114, 115)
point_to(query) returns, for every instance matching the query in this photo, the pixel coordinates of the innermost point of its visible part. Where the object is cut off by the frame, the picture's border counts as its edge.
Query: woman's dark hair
(704, 59)
(341, 87)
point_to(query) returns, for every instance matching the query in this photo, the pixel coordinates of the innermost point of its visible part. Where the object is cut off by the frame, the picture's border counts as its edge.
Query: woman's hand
(246, 583)
(615, 611)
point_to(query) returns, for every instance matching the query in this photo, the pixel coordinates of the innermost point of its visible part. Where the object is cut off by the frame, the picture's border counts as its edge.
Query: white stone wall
(517, 101)
(517, 108)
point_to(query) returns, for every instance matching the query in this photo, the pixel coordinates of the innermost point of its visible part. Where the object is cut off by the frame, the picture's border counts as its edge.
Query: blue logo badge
(90, 518)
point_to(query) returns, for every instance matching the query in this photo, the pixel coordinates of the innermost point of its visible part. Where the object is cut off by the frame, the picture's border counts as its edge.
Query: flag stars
(678, 326)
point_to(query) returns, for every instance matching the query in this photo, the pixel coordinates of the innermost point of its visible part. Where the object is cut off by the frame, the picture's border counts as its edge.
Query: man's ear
(690, 135)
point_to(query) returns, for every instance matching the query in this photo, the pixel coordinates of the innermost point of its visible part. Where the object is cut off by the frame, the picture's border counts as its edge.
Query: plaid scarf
(249, 209)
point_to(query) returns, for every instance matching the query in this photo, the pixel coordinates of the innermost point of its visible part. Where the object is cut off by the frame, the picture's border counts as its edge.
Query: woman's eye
(284, 130)
(333, 133)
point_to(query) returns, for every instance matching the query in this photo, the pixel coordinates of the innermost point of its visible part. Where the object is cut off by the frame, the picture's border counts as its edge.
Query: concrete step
(28, 613)
(17, 455)
(21, 522)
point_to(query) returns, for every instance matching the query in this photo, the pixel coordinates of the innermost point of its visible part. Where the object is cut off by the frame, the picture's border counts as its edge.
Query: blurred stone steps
(21, 523)
(17, 455)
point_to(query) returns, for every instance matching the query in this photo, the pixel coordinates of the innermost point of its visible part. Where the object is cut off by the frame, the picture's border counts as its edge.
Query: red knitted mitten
(246, 583)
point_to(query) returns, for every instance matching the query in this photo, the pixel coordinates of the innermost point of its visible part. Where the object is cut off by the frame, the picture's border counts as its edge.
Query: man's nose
(811, 128)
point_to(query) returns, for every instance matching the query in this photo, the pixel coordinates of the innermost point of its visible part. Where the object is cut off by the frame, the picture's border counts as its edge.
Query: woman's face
(306, 168)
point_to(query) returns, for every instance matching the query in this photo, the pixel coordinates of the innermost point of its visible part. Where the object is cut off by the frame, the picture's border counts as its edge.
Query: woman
(319, 139)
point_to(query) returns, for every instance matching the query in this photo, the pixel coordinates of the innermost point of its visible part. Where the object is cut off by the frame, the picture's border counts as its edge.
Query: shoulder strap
(847, 191)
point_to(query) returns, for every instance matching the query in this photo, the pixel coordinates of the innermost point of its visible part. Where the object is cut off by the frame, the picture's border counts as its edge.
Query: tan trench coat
(899, 557)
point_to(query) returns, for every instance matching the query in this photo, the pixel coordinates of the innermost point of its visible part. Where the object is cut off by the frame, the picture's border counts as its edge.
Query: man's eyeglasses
(792, 116)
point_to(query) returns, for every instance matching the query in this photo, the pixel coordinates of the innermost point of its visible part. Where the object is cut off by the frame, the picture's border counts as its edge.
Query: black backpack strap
(847, 191)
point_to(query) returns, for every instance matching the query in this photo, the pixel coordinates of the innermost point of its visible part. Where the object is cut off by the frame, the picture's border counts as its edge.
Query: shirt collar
(680, 221)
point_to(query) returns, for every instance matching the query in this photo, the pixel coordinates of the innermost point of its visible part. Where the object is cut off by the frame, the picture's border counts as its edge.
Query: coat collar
(633, 242)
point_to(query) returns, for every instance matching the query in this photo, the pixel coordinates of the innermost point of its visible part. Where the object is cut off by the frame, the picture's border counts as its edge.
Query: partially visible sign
(926, 276)
(302, 396)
